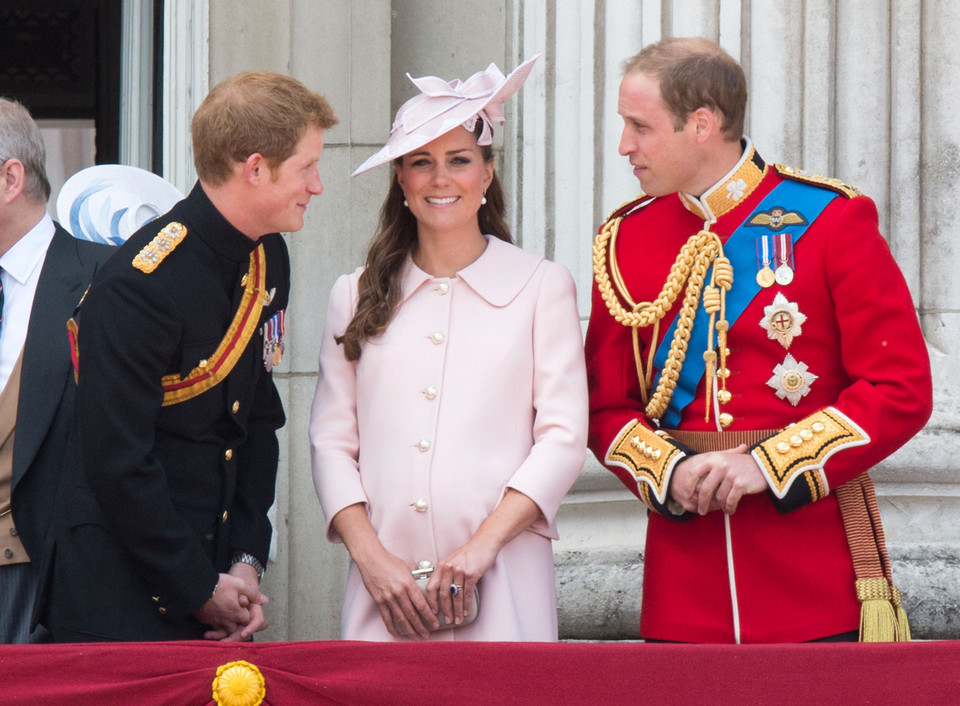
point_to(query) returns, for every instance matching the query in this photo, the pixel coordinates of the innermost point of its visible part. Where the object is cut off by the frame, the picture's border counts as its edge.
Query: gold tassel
(903, 624)
(878, 620)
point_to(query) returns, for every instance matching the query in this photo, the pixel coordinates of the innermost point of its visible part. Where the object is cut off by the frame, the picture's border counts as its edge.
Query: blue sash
(740, 249)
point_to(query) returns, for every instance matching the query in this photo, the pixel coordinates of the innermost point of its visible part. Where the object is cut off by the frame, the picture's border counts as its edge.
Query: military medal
(765, 276)
(791, 380)
(784, 273)
(782, 320)
(273, 341)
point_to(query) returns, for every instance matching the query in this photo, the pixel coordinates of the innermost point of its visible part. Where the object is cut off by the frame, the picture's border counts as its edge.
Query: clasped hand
(716, 480)
(405, 610)
(235, 611)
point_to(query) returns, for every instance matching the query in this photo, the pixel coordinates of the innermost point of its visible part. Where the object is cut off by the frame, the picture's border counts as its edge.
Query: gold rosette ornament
(239, 684)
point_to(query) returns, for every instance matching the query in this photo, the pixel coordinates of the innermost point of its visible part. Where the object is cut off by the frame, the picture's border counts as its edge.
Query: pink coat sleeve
(334, 438)
(560, 400)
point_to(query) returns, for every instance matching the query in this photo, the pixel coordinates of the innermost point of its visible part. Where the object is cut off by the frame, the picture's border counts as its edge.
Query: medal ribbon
(740, 249)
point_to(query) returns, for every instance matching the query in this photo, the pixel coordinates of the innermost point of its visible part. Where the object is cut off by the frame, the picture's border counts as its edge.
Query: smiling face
(664, 159)
(443, 182)
(285, 192)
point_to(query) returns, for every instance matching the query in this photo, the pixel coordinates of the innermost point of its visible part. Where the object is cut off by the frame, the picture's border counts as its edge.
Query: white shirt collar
(26, 255)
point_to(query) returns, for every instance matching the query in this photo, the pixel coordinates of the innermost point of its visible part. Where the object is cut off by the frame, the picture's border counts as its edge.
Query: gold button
(224, 516)
(795, 440)
(203, 363)
(163, 611)
(818, 427)
(236, 406)
(806, 434)
(228, 454)
(243, 281)
(783, 447)
(726, 420)
(723, 373)
(156, 599)
(724, 396)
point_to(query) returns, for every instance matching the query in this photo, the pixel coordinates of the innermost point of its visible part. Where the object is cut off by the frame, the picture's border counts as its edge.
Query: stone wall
(863, 92)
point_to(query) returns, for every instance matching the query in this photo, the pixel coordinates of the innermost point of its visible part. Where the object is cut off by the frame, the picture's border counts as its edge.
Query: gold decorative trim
(212, 370)
(805, 447)
(648, 455)
(163, 243)
(734, 190)
(687, 274)
(239, 684)
(831, 183)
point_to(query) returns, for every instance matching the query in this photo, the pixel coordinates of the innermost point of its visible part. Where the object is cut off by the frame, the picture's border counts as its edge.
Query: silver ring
(455, 588)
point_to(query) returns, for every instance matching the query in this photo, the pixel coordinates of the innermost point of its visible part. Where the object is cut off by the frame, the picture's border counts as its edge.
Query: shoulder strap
(213, 370)
(832, 183)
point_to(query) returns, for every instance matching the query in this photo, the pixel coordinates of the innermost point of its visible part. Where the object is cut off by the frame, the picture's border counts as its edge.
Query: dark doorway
(61, 59)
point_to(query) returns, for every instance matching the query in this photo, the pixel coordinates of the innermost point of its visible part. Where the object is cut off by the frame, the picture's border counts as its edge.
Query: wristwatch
(248, 558)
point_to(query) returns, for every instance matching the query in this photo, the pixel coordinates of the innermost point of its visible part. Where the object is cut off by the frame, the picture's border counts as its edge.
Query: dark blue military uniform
(179, 466)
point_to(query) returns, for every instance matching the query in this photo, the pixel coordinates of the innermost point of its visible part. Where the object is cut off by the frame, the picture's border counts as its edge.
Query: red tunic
(779, 569)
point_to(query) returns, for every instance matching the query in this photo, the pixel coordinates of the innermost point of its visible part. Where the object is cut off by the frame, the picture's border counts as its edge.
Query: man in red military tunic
(752, 348)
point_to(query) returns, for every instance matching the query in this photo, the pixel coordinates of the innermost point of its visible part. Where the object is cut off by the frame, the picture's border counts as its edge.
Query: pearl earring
(405, 203)
(483, 200)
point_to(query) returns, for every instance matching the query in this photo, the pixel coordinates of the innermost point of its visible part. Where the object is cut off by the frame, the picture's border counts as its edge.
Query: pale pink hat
(441, 106)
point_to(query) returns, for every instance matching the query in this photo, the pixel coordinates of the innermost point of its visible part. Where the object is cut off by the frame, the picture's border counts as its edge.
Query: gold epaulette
(831, 183)
(162, 245)
(649, 455)
(802, 449)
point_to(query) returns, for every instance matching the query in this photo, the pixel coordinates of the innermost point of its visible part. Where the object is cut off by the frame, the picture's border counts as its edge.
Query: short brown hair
(695, 73)
(253, 111)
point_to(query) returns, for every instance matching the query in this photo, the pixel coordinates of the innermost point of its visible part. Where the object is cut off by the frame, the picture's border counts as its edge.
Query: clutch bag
(422, 575)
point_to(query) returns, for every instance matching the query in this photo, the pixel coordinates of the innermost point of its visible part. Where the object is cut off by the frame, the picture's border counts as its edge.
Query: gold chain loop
(688, 272)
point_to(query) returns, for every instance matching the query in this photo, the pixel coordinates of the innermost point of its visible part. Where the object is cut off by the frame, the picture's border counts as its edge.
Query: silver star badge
(791, 380)
(782, 320)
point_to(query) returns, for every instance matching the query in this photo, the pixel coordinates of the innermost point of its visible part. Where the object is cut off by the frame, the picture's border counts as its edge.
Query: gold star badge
(782, 320)
(791, 380)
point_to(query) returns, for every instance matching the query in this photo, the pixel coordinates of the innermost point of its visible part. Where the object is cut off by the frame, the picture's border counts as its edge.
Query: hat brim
(402, 142)
(107, 203)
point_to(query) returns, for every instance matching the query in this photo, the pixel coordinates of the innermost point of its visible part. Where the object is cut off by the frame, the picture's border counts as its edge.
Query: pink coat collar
(497, 276)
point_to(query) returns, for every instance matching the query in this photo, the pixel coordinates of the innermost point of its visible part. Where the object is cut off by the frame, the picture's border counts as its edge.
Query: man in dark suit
(44, 272)
(164, 534)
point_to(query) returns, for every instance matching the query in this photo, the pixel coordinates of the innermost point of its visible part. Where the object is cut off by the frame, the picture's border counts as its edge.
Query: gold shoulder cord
(689, 270)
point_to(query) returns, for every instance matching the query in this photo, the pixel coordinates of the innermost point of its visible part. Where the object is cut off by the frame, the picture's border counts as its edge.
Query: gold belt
(704, 441)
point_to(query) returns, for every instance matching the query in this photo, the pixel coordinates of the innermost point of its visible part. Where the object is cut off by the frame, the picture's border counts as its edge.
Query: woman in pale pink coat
(451, 409)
